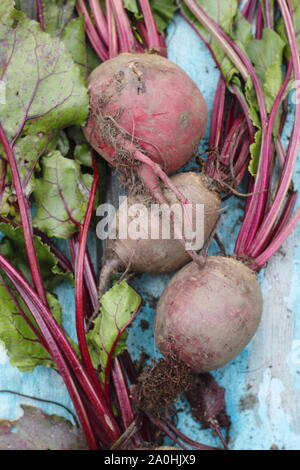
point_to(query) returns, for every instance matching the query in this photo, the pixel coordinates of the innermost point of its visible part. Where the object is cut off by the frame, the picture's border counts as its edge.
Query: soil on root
(159, 386)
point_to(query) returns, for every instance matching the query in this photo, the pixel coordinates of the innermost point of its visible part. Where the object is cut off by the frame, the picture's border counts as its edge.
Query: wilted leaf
(39, 431)
(207, 400)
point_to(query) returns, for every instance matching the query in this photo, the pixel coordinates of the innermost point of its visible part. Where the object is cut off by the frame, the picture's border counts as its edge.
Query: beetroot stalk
(293, 149)
(40, 13)
(249, 10)
(112, 31)
(278, 241)
(36, 306)
(259, 22)
(79, 283)
(50, 330)
(152, 33)
(123, 397)
(95, 40)
(127, 41)
(25, 218)
(217, 115)
(2, 178)
(100, 20)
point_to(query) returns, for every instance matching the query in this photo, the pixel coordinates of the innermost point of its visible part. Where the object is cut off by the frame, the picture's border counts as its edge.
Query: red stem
(127, 41)
(79, 283)
(95, 39)
(257, 203)
(26, 220)
(24, 316)
(293, 149)
(259, 22)
(100, 20)
(244, 105)
(123, 397)
(49, 326)
(39, 311)
(152, 33)
(113, 49)
(249, 10)
(40, 14)
(269, 15)
(217, 115)
(286, 215)
(278, 240)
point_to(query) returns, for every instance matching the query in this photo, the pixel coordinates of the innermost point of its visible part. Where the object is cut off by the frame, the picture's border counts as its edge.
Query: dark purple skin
(206, 316)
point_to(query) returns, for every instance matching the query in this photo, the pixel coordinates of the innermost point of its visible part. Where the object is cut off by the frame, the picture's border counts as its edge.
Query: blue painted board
(263, 383)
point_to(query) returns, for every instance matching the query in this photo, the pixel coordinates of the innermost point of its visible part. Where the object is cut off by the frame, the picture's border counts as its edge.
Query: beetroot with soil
(146, 114)
(206, 316)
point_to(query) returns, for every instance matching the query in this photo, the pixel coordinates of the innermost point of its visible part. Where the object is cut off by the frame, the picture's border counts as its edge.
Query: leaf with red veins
(61, 196)
(118, 308)
(19, 338)
(44, 88)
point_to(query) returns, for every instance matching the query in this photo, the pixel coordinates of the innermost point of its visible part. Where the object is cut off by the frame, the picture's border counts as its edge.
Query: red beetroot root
(206, 316)
(144, 102)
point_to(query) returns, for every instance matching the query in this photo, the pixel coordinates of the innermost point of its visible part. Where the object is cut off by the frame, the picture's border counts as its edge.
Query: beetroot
(146, 115)
(206, 316)
(164, 256)
(160, 256)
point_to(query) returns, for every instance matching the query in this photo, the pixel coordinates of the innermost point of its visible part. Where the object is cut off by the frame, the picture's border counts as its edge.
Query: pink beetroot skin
(206, 316)
(144, 102)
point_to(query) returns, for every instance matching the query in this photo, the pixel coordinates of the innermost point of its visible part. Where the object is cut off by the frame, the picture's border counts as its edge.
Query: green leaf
(266, 55)
(92, 59)
(163, 11)
(61, 196)
(74, 38)
(44, 89)
(7, 11)
(82, 154)
(132, 6)
(12, 246)
(57, 14)
(23, 349)
(107, 338)
(242, 31)
(63, 144)
(253, 104)
(255, 153)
